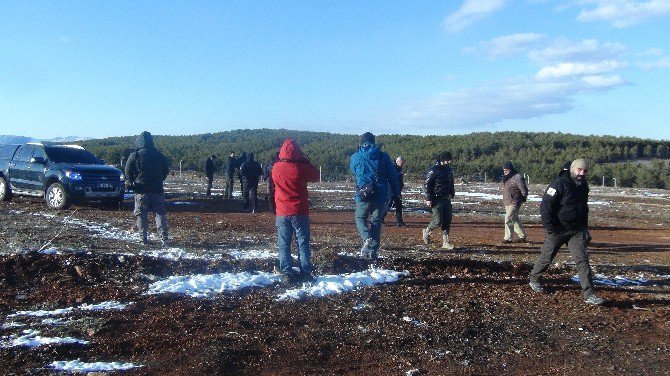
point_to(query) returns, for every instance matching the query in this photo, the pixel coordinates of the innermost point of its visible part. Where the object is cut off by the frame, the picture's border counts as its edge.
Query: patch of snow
(175, 254)
(31, 338)
(337, 284)
(205, 285)
(253, 254)
(112, 304)
(615, 281)
(79, 366)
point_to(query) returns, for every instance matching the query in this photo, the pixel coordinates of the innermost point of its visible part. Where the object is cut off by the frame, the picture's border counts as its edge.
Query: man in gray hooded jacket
(146, 169)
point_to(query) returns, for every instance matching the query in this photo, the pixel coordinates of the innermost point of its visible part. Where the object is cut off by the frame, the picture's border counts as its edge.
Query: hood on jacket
(250, 157)
(144, 140)
(290, 151)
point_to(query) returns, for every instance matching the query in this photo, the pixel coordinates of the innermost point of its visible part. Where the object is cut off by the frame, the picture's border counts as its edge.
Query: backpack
(368, 190)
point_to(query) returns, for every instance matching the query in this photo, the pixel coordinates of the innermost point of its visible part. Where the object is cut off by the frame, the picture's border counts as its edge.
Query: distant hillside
(476, 155)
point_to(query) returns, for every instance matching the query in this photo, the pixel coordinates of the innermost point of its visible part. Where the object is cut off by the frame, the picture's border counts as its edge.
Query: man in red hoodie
(290, 175)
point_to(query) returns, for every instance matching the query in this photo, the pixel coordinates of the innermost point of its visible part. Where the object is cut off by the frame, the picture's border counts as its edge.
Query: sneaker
(537, 287)
(426, 236)
(365, 250)
(594, 299)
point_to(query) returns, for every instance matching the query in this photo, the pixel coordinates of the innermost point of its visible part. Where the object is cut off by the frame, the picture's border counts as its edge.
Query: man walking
(209, 173)
(565, 216)
(290, 175)
(515, 192)
(250, 172)
(145, 170)
(375, 173)
(396, 201)
(440, 190)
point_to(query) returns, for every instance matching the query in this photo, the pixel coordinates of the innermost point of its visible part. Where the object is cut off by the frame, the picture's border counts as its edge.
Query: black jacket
(146, 168)
(565, 205)
(209, 167)
(401, 177)
(439, 182)
(251, 171)
(231, 165)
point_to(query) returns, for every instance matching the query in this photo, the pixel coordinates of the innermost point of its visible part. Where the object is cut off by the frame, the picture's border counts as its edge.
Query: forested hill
(631, 161)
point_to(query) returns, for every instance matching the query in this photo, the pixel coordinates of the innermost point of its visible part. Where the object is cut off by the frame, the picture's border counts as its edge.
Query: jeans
(155, 202)
(373, 211)
(578, 252)
(512, 222)
(442, 213)
(286, 226)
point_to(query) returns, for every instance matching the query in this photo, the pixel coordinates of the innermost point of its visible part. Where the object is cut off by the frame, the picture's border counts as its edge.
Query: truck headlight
(73, 175)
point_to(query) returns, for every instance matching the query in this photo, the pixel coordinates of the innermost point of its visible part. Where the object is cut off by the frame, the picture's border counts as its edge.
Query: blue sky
(116, 68)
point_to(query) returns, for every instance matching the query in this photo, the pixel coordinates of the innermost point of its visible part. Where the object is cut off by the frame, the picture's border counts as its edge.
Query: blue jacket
(368, 159)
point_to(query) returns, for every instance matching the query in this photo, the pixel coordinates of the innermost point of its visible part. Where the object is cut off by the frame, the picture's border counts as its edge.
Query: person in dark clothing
(396, 201)
(231, 167)
(565, 215)
(267, 176)
(145, 171)
(240, 162)
(250, 173)
(209, 173)
(440, 190)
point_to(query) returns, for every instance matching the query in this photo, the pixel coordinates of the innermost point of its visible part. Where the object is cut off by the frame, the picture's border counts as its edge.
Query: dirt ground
(466, 311)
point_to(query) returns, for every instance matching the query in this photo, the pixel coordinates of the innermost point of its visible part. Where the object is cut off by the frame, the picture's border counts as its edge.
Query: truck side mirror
(38, 160)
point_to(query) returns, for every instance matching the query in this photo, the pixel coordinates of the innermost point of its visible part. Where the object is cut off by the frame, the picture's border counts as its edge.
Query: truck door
(19, 167)
(35, 172)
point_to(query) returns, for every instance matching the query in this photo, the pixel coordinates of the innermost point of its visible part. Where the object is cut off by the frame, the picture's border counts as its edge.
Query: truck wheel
(5, 192)
(57, 197)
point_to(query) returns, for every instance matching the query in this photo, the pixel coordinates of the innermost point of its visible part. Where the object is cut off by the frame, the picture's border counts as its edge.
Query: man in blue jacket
(145, 170)
(375, 173)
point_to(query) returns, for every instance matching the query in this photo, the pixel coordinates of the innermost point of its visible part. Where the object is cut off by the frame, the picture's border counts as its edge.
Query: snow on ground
(32, 338)
(252, 254)
(617, 280)
(79, 366)
(206, 285)
(174, 253)
(112, 304)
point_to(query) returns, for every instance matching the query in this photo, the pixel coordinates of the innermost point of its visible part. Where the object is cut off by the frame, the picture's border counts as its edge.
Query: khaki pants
(512, 222)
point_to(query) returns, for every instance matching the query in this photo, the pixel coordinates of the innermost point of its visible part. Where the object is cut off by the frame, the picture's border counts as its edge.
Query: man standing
(290, 175)
(209, 172)
(267, 176)
(375, 173)
(231, 166)
(396, 201)
(145, 170)
(439, 192)
(250, 172)
(514, 194)
(565, 216)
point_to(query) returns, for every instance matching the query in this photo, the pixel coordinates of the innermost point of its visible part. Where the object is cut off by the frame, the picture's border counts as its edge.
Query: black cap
(367, 137)
(508, 165)
(566, 165)
(445, 156)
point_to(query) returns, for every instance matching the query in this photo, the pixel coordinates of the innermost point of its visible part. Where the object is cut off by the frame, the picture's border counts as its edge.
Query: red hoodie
(290, 175)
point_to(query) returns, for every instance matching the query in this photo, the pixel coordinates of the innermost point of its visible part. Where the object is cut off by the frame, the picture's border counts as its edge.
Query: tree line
(621, 161)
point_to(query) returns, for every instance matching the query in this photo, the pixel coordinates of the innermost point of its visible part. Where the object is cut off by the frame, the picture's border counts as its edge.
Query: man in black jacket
(250, 172)
(209, 173)
(231, 166)
(396, 201)
(565, 216)
(439, 192)
(145, 170)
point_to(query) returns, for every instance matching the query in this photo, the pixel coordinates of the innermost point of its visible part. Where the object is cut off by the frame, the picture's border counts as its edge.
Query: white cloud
(470, 12)
(603, 82)
(579, 69)
(661, 63)
(623, 13)
(508, 45)
(585, 50)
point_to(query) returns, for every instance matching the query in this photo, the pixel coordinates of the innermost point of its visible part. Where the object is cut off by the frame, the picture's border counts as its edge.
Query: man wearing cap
(565, 215)
(515, 192)
(375, 173)
(440, 190)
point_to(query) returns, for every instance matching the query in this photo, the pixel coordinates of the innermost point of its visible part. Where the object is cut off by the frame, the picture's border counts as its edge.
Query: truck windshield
(71, 155)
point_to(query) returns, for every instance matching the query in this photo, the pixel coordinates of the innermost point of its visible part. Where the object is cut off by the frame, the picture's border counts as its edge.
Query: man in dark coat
(440, 190)
(209, 173)
(396, 201)
(145, 170)
(231, 167)
(267, 176)
(250, 173)
(565, 217)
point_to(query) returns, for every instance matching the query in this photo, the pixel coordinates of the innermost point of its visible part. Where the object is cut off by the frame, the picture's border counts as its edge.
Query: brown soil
(467, 311)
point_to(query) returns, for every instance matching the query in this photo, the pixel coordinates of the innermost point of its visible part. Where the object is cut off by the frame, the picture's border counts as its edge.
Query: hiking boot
(365, 250)
(445, 242)
(537, 287)
(593, 299)
(425, 234)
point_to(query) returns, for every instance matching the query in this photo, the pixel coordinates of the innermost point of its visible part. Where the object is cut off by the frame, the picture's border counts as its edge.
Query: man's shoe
(365, 250)
(537, 287)
(523, 240)
(425, 234)
(594, 299)
(507, 241)
(400, 224)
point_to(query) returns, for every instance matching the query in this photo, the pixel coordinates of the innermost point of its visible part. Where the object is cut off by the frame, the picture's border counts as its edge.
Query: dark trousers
(580, 255)
(395, 202)
(250, 194)
(210, 180)
(229, 187)
(150, 202)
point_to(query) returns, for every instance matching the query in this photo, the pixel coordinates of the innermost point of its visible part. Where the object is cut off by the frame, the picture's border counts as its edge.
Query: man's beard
(579, 180)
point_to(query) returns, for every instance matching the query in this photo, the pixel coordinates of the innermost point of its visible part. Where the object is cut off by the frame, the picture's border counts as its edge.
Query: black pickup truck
(62, 174)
